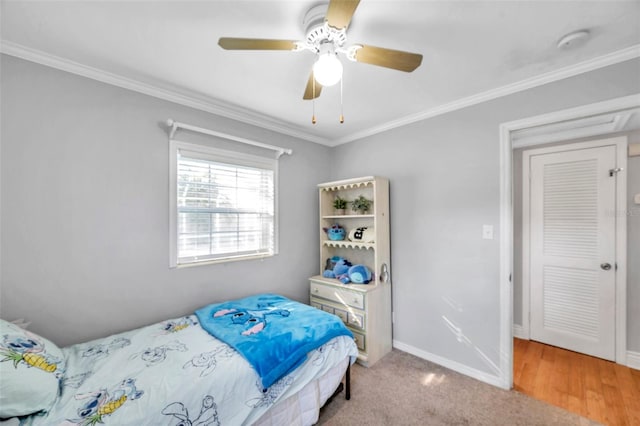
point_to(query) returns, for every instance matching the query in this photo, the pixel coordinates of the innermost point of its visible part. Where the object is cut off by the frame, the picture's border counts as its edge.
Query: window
(222, 205)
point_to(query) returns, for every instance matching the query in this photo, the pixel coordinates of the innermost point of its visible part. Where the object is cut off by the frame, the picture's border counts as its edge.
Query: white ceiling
(473, 51)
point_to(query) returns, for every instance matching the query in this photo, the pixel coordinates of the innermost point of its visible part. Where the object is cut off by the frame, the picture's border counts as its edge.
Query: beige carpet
(402, 389)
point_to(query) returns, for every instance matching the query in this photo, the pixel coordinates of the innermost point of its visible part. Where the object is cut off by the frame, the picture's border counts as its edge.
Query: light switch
(636, 199)
(487, 232)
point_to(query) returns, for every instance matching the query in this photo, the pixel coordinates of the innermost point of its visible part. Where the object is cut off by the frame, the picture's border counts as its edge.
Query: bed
(183, 371)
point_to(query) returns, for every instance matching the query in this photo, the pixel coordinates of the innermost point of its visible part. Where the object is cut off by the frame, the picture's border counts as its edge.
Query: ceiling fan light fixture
(328, 69)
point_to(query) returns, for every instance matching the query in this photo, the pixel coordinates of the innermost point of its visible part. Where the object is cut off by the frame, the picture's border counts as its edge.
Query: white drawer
(342, 314)
(327, 308)
(360, 341)
(355, 320)
(337, 295)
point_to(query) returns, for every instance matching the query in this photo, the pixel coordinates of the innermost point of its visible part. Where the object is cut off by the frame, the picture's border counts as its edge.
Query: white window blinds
(224, 205)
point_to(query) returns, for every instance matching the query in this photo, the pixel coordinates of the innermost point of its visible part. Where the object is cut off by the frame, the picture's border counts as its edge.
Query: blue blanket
(272, 332)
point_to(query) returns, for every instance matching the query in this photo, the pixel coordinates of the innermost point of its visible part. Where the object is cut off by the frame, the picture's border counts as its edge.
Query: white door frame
(620, 142)
(506, 223)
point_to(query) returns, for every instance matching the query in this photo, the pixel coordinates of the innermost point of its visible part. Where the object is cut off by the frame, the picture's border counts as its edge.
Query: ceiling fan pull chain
(313, 99)
(341, 104)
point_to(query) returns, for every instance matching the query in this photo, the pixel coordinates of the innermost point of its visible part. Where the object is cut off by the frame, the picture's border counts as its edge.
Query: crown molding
(613, 58)
(160, 91)
(235, 112)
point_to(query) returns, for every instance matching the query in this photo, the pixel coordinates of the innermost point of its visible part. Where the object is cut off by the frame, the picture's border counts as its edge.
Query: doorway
(568, 238)
(507, 133)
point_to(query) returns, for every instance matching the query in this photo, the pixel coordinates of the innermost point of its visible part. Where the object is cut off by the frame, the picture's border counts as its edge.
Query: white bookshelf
(365, 308)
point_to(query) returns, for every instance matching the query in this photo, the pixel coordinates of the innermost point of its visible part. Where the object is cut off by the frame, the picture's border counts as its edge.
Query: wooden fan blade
(309, 91)
(230, 43)
(388, 58)
(340, 12)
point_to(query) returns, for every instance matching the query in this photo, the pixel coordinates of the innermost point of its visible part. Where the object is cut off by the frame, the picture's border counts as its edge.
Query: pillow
(30, 371)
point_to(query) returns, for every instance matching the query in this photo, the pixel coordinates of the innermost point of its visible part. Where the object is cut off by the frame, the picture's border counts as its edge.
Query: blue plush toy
(341, 269)
(359, 274)
(335, 233)
(337, 267)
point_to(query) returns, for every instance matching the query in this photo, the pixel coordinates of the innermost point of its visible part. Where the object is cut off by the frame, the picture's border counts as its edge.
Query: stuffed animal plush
(335, 233)
(337, 267)
(359, 274)
(341, 269)
(362, 235)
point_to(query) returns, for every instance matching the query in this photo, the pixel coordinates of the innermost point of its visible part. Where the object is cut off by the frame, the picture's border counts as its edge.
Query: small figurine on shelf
(339, 204)
(361, 205)
(335, 233)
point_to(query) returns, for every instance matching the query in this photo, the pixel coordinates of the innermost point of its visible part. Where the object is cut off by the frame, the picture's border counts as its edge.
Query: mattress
(303, 407)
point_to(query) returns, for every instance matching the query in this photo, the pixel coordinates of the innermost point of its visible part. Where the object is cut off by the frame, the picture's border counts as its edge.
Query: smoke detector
(573, 39)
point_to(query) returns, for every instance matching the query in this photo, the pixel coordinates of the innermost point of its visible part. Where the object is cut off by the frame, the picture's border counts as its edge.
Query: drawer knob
(316, 290)
(355, 300)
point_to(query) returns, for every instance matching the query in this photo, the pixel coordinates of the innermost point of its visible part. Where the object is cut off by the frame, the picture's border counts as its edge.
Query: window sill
(222, 260)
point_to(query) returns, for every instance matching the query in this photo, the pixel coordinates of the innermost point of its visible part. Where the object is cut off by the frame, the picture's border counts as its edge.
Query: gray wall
(85, 209)
(444, 175)
(84, 214)
(633, 238)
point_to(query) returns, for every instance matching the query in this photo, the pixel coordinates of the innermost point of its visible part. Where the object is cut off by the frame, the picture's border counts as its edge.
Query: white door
(572, 252)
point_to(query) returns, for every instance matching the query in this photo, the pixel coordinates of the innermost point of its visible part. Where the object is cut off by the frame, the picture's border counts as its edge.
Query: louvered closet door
(572, 225)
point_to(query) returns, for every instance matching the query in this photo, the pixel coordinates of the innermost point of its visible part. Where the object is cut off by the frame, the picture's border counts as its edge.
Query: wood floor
(591, 387)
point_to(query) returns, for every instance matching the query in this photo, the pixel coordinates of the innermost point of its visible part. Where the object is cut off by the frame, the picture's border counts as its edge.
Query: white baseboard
(633, 360)
(520, 332)
(453, 365)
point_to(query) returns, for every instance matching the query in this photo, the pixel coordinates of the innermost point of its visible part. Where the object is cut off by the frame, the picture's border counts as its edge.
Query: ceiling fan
(326, 36)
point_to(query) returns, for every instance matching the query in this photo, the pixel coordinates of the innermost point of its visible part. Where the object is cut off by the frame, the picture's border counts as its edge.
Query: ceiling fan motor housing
(319, 32)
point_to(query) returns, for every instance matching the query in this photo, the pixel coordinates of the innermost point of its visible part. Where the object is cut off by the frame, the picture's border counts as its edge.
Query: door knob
(605, 266)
